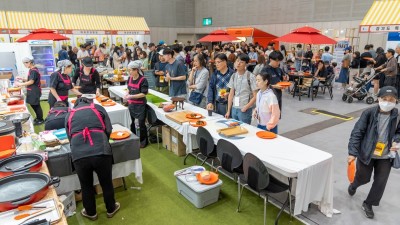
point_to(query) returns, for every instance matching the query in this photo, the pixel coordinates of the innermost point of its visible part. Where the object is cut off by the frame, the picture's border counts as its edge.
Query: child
(267, 110)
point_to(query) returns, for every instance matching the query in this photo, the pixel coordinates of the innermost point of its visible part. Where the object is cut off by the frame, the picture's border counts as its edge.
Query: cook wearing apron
(88, 128)
(89, 78)
(60, 83)
(56, 118)
(33, 89)
(136, 97)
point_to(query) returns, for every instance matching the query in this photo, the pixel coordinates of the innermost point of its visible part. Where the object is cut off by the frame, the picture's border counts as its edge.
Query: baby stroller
(360, 90)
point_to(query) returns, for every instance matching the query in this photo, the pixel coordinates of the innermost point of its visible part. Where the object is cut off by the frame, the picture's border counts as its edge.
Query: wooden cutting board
(178, 117)
(232, 131)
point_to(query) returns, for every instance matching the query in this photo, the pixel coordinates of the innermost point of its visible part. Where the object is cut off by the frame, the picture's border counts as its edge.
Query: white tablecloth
(117, 113)
(313, 168)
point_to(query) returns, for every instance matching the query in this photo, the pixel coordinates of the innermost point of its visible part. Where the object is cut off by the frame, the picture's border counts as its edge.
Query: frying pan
(23, 189)
(20, 164)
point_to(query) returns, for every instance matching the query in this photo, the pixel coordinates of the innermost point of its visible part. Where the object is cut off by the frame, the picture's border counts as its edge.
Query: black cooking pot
(24, 189)
(20, 164)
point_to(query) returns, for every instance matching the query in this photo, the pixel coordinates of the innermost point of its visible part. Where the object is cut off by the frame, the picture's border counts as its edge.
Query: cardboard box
(166, 137)
(68, 200)
(177, 145)
(117, 182)
(5, 74)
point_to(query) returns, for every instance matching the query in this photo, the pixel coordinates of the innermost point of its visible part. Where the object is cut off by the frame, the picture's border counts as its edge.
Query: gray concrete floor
(334, 139)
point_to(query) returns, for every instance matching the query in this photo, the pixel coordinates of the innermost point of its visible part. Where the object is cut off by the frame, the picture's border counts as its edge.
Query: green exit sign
(207, 21)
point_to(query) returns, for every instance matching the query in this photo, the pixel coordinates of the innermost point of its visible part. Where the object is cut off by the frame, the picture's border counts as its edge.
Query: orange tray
(193, 123)
(266, 135)
(7, 153)
(351, 171)
(123, 135)
(284, 84)
(213, 178)
(108, 103)
(198, 116)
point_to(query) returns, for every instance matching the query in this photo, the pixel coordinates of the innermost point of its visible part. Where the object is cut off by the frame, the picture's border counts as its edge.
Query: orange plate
(125, 134)
(108, 103)
(7, 153)
(198, 116)
(266, 135)
(18, 109)
(193, 123)
(213, 178)
(351, 171)
(284, 84)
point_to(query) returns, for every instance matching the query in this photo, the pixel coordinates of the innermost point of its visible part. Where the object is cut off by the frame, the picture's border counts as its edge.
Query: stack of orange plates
(119, 135)
(266, 135)
(112, 103)
(213, 178)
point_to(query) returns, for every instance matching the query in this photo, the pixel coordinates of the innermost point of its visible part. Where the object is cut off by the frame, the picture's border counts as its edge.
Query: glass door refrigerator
(43, 55)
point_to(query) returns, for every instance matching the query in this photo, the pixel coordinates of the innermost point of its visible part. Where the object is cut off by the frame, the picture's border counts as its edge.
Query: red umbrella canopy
(43, 34)
(306, 35)
(218, 35)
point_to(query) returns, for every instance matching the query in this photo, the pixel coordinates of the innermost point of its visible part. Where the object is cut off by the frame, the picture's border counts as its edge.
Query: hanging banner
(119, 40)
(95, 39)
(106, 39)
(130, 41)
(393, 40)
(79, 40)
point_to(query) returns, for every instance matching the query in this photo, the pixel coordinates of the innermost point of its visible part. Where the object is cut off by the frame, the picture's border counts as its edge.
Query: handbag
(196, 97)
(396, 161)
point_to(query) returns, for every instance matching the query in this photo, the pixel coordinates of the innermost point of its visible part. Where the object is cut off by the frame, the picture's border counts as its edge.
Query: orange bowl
(212, 179)
(119, 135)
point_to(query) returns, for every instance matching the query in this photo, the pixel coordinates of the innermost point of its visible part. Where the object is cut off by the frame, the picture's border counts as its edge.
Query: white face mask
(386, 106)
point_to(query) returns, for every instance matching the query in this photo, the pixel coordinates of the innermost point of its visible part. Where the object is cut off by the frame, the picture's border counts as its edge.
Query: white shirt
(264, 102)
(82, 54)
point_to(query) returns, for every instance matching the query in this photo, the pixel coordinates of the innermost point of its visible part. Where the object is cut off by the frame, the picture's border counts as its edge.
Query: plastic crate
(199, 195)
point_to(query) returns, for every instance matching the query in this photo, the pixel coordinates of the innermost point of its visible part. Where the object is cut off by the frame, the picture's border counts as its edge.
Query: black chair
(256, 176)
(153, 122)
(206, 145)
(329, 85)
(231, 160)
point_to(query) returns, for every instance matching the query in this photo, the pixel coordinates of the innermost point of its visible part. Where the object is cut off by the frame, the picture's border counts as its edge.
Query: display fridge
(43, 56)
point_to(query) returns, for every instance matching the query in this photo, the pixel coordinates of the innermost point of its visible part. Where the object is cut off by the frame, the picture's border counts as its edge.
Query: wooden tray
(178, 117)
(232, 131)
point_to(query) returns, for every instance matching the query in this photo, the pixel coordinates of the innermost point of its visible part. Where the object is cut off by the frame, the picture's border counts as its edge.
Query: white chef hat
(26, 59)
(62, 64)
(137, 64)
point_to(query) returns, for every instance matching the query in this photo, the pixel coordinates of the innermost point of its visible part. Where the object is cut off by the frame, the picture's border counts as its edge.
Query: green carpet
(158, 202)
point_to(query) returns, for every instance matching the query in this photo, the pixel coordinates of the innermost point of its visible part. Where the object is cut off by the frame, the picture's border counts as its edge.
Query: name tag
(379, 149)
(236, 101)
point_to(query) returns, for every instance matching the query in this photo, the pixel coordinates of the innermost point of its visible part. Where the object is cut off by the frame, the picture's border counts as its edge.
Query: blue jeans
(245, 117)
(273, 130)
(298, 65)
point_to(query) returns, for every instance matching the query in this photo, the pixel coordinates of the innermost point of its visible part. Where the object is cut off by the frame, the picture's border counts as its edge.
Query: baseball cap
(27, 59)
(137, 64)
(87, 61)
(161, 52)
(388, 90)
(161, 42)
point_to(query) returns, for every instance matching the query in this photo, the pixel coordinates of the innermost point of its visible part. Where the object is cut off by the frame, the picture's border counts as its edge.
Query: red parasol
(43, 34)
(218, 35)
(306, 35)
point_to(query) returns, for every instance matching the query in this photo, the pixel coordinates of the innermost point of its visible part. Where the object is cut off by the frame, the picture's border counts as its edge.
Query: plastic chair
(257, 178)
(153, 122)
(231, 160)
(206, 145)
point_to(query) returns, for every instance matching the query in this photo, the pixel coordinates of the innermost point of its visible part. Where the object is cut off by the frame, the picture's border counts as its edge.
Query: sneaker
(84, 214)
(38, 122)
(117, 206)
(351, 191)
(369, 213)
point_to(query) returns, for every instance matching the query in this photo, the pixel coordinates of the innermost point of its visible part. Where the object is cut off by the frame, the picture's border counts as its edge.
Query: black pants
(102, 165)
(142, 128)
(38, 111)
(381, 169)
(390, 81)
(398, 85)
